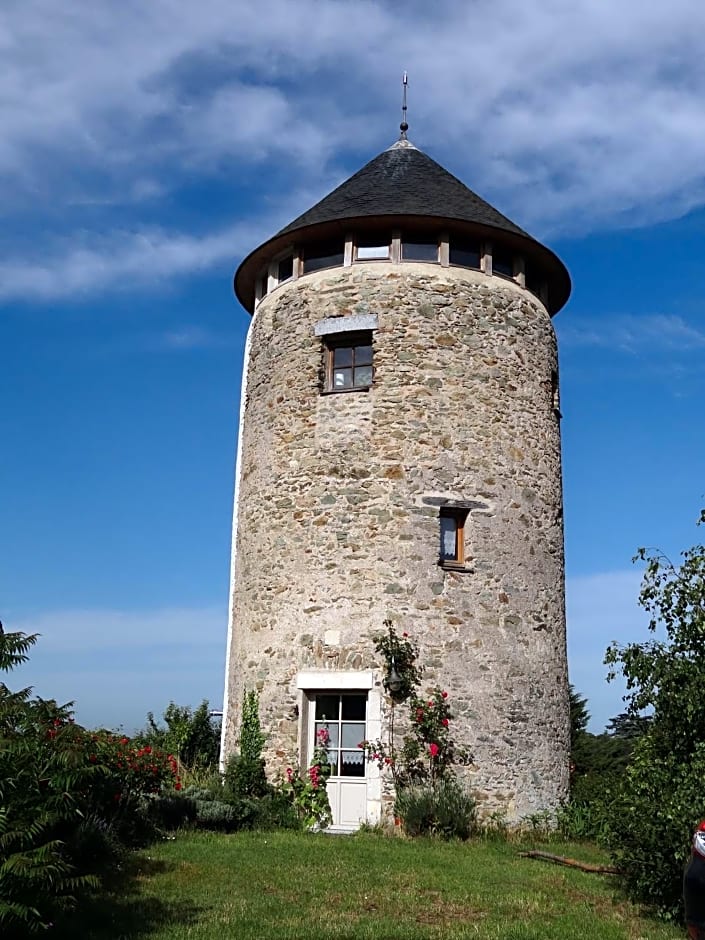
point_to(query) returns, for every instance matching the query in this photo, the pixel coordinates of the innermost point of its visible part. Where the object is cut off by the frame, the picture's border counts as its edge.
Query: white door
(344, 715)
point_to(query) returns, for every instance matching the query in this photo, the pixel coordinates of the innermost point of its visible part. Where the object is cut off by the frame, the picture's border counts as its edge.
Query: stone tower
(399, 458)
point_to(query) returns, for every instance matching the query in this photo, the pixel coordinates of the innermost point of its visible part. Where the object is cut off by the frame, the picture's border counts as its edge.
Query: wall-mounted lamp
(394, 680)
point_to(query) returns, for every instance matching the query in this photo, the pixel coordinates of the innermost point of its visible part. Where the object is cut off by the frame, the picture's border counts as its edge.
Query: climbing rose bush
(308, 791)
(428, 751)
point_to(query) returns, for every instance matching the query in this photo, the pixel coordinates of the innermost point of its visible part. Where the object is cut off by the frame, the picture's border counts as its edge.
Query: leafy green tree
(662, 797)
(189, 734)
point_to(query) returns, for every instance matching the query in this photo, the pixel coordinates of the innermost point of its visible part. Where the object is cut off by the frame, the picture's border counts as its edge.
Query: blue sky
(146, 148)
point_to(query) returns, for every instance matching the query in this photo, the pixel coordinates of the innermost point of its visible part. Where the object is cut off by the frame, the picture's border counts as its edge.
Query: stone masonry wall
(339, 525)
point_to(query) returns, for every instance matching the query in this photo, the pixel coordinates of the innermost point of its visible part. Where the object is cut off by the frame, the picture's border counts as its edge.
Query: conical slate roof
(403, 181)
(403, 188)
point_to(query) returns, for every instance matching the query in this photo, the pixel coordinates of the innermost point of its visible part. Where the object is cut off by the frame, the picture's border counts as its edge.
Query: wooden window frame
(459, 517)
(350, 340)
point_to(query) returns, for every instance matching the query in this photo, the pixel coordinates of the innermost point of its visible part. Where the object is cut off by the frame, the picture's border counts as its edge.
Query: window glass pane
(327, 707)
(465, 254)
(502, 262)
(286, 268)
(372, 252)
(363, 376)
(449, 533)
(342, 356)
(363, 356)
(262, 285)
(420, 250)
(342, 378)
(352, 764)
(353, 733)
(332, 732)
(317, 257)
(333, 761)
(532, 279)
(354, 708)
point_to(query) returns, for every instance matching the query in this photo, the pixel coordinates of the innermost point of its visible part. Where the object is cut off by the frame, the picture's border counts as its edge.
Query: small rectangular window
(452, 536)
(348, 361)
(419, 249)
(502, 262)
(466, 254)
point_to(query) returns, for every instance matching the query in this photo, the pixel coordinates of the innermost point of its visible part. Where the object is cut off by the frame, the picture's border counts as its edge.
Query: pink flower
(444, 695)
(323, 736)
(433, 750)
(444, 722)
(289, 774)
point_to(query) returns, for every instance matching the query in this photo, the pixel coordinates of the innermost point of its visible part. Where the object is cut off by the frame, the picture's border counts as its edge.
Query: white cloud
(120, 259)
(580, 114)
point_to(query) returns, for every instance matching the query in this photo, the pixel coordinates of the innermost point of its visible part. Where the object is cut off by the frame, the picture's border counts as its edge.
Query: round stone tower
(399, 458)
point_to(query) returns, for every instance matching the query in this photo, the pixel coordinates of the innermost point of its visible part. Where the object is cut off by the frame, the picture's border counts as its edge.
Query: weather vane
(404, 127)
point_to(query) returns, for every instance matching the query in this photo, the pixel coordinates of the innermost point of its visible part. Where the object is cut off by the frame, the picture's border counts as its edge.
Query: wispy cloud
(188, 338)
(118, 665)
(637, 334)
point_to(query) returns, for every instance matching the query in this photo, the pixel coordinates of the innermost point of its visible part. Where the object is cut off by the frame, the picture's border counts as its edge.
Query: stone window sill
(345, 391)
(455, 566)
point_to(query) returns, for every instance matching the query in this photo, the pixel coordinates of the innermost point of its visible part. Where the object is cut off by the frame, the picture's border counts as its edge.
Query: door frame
(311, 682)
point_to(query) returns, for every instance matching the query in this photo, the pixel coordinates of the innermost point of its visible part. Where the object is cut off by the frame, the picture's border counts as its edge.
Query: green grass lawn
(296, 886)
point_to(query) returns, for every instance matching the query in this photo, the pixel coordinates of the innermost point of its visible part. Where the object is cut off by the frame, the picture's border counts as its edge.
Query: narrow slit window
(452, 537)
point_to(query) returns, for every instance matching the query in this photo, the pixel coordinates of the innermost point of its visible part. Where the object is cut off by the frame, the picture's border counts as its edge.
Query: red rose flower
(433, 750)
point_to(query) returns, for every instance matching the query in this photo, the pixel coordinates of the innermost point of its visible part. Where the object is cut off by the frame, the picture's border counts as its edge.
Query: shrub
(69, 800)
(442, 808)
(651, 823)
(245, 777)
(172, 811)
(214, 814)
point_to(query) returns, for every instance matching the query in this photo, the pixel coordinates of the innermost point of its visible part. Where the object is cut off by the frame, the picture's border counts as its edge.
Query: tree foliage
(188, 733)
(68, 799)
(662, 797)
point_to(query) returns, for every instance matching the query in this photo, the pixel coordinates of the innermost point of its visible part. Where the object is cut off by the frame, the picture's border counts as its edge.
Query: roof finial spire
(404, 127)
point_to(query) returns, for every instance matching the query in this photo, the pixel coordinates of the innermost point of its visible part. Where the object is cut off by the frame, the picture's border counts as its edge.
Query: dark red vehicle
(694, 887)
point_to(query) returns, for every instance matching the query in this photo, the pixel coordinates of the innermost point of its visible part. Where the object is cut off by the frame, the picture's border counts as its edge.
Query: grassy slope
(288, 886)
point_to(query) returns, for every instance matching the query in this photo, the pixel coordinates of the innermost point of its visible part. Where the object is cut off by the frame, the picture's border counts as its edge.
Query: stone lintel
(454, 503)
(334, 679)
(349, 324)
